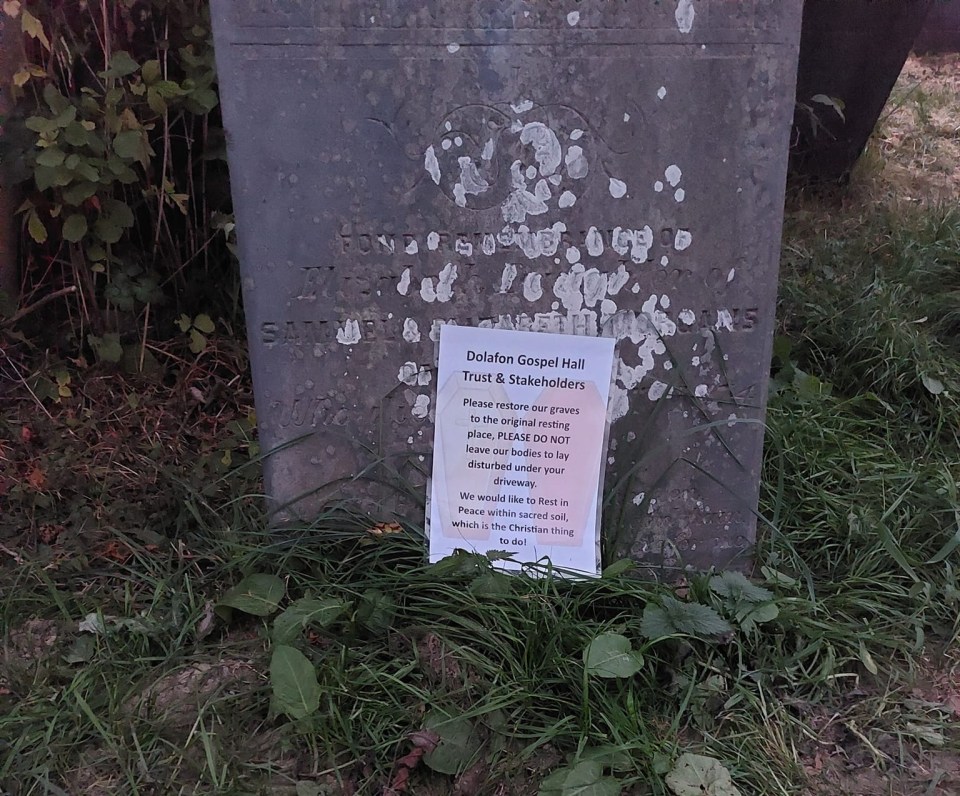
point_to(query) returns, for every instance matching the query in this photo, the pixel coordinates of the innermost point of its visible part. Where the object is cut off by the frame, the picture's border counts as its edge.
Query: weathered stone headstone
(586, 166)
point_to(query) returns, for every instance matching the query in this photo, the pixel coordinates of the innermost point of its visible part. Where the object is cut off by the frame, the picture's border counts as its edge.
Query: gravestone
(583, 167)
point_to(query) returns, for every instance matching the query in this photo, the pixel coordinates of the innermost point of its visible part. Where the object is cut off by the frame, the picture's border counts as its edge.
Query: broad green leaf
(618, 568)
(944, 552)
(121, 64)
(303, 613)
(36, 228)
(376, 610)
(51, 156)
(491, 585)
(32, 26)
(673, 618)
(184, 322)
(258, 594)
(586, 779)
(612, 757)
(197, 341)
(867, 659)
(458, 742)
(696, 775)
(107, 348)
(79, 192)
(129, 144)
(296, 691)
(150, 71)
(40, 124)
(737, 586)
(203, 323)
(75, 227)
(611, 655)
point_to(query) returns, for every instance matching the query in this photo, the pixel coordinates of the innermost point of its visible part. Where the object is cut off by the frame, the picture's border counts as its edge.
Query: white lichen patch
(404, 284)
(533, 287)
(576, 163)
(471, 183)
(546, 146)
(618, 188)
(427, 291)
(464, 248)
(639, 498)
(731, 274)
(661, 92)
(617, 280)
(433, 241)
(523, 106)
(568, 288)
(658, 186)
(573, 255)
(412, 247)
(414, 375)
(411, 331)
(680, 194)
(594, 287)
(448, 275)
(700, 391)
(488, 245)
(453, 47)
(594, 242)
(349, 333)
(724, 320)
(656, 391)
(673, 175)
(567, 199)
(687, 317)
(685, 15)
(522, 202)
(682, 240)
(507, 277)
(573, 18)
(431, 164)
(421, 407)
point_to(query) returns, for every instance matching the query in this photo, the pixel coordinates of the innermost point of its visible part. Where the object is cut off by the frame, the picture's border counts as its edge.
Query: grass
(118, 676)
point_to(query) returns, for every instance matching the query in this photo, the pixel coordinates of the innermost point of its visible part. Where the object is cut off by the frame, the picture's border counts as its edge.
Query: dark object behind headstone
(941, 32)
(586, 168)
(851, 50)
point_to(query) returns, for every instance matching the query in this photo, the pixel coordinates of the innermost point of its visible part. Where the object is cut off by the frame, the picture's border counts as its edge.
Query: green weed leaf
(107, 348)
(296, 691)
(618, 568)
(75, 227)
(611, 655)
(672, 618)
(736, 586)
(584, 779)
(204, 324)
(121, 64)
(129, 144)
(304, 612)
(458, 742)
(259, 594)
(36, 228)
(696, 775)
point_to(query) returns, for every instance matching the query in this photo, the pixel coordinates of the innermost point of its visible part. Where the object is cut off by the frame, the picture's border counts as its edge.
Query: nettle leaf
(75, 227)
(675, 618)
(611, 655)
(737, 586)
(696, 775)
(258, 594)
(107, 348)
(459, 742)
(303, 613)
(121, 64)
(296, 691)
(376, 610)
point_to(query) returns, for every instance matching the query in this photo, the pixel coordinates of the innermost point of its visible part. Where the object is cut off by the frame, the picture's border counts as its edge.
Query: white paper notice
(519, 444)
